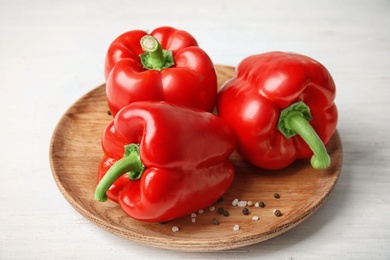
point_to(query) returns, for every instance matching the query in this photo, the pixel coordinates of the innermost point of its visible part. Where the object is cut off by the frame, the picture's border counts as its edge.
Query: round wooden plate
(75, 152)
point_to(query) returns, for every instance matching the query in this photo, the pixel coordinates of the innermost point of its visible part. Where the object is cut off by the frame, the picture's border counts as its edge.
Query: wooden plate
(75, 152)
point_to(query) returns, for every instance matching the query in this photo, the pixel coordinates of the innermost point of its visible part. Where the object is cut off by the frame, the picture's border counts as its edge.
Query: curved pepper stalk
(294, 120)
(130, 164)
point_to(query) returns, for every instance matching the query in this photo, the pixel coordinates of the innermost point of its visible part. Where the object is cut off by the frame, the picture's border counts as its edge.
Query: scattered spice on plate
(255, 218)
(276, 195)
(236, 227)
(235, 202)
(242, 203)
(175, 229)
(226, 213)
(220, 211)
(261, 204)
(215, 221)
(245, 211)
(277, 213)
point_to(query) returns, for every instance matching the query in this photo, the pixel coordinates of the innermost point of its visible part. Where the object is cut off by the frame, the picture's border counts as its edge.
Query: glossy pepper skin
(281, 108)
(165, 65)
(178, 160)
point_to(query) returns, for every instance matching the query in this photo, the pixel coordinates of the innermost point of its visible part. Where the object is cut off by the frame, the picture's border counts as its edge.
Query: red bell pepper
(281, 108)
(176, 160)
(165, 65)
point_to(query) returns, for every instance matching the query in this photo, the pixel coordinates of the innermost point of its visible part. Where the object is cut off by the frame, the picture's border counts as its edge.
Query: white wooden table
(52, 53)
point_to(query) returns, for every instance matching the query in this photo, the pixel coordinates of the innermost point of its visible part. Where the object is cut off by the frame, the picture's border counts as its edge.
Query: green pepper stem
(154, 57)
(294, 120)
(130, 163)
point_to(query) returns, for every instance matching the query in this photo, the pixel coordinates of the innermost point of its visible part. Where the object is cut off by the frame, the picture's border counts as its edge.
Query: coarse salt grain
(193, 220)
(235, 202)
(255, 218)
(250, 203)
(175, 229)
(212, 208)
(242, 203)
(257, 204)
(236, 227)
(200, 211)
(193, 215)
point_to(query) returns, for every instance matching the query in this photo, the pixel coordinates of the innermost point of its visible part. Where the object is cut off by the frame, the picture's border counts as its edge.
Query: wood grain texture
(75, 152)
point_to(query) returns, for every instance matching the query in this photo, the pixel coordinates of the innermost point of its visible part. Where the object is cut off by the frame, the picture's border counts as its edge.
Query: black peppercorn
(277, 212)
(245, 211)
(276, 195)
(226, 213)
(261, 204)
(215, 221)
(220, 211)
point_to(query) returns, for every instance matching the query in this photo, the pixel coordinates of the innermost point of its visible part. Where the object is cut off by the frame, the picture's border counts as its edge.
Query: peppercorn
(277, 212)
(109, 112)
(220, 211)
(276, 195)
(215, 221)
(262, 204)
(245, 211)
(226, 213)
